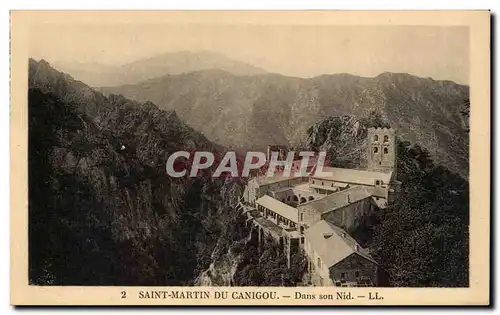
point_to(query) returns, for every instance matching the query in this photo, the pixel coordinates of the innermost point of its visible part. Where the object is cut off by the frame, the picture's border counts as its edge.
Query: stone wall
(308, 215)
(254, 191)
(351, 215)
(347, 268)
(382, 149)
(320, 275)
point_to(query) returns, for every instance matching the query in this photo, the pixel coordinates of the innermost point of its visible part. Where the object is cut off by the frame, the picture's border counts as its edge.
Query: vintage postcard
(250, 158)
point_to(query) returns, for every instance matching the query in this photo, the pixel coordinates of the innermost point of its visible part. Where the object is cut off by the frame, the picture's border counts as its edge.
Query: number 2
(124, 294)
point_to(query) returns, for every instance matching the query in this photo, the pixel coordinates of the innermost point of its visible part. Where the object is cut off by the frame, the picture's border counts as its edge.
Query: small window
(375, 138)
(356, 274)
(342, 275)
(313, 182)
(386, 138)
(377, 182)
(322, 184)
(301, 217)
(386, 150)
(332, 185)
(375, 150)
(319, 263)
(301, 240)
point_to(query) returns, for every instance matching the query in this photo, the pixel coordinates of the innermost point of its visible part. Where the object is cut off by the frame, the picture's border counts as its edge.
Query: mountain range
(103, 211)
(252, 111)
(97, 74)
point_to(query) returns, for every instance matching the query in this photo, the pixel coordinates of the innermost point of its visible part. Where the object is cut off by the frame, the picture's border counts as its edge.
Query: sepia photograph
(243, 155)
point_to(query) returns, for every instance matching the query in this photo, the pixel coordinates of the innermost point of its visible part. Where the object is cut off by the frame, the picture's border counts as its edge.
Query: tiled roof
(361, 177)
(278, 177)
(336, 247)
(279, 207)
(338, 199)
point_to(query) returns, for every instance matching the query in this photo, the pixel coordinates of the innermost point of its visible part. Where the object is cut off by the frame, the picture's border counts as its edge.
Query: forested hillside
(422, 239)
(102, 210)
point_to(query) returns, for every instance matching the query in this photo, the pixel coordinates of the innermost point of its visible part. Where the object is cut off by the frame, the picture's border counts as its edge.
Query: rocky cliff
(102, 210)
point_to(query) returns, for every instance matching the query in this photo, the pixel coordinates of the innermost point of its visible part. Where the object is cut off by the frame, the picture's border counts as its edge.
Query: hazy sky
(305, 51)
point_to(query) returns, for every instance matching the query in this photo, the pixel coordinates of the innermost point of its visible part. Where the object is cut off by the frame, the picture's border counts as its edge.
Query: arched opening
(302, 200)
(301, 230)
(311, 198)
(375, 150)
(386, 138)
(288, 198)
(377, 182)
(319, 263)
(375, 138)
(386, 150)
(295, 198)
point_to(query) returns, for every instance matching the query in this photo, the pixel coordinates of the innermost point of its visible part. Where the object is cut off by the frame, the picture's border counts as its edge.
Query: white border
(186, 4)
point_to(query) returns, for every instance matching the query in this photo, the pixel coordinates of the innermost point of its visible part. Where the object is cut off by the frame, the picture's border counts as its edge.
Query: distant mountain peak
(168, 63)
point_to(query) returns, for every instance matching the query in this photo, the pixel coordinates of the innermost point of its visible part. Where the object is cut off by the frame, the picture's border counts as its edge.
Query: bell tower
(382, 152)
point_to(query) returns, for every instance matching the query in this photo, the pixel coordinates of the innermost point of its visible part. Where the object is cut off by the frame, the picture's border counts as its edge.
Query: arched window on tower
(319, 263)
(375, 138)
(375, 150)
(386, 151)
(386, 138)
